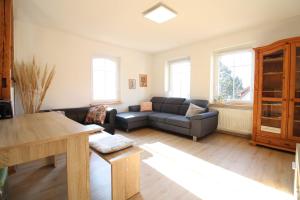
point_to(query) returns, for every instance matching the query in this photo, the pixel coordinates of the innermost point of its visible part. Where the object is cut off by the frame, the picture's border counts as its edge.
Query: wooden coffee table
(34, 136)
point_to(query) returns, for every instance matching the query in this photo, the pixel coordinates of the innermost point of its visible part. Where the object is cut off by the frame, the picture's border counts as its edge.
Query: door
(294, 100)
(273, 93)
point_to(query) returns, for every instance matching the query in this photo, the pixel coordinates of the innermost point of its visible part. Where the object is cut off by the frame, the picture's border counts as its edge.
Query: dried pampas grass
(32, 83)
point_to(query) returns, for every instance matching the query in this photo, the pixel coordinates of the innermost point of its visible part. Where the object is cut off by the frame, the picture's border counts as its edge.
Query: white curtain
(105, 79)
(179, 78)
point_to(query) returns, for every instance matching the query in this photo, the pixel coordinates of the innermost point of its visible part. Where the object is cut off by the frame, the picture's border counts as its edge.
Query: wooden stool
(125, 172)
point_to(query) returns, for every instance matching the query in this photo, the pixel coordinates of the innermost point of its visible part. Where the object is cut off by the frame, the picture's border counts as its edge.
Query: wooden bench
(125, 172)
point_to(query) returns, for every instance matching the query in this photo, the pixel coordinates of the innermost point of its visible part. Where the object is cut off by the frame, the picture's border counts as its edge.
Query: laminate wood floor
(174, 167)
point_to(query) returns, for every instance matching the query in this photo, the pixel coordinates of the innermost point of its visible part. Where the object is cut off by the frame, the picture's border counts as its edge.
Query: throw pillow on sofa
(146, 106)
(194, 110)
(96, 115)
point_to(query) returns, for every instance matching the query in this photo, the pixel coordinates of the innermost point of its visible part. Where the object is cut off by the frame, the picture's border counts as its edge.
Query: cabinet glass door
(271, 117)
(272, 102)
(294, 102)
(273, 70)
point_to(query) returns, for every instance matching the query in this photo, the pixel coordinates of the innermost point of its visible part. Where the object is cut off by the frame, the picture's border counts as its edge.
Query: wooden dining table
(34, 136)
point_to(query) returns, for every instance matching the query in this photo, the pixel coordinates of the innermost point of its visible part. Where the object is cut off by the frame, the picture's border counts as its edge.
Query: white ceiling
(121, 22)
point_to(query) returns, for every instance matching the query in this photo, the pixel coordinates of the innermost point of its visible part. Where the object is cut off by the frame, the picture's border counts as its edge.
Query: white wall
(72, 56)
(201, 56)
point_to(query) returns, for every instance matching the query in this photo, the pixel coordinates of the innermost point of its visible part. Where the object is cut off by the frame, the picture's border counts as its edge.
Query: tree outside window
(234, 76)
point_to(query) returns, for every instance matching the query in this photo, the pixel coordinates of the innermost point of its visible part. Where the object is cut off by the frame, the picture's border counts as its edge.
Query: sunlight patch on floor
(205, 180)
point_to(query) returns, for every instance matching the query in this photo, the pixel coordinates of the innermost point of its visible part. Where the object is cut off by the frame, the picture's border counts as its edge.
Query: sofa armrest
(209, 114)
(134, 108)
(110, 120)
(204, 124)
(111, 114)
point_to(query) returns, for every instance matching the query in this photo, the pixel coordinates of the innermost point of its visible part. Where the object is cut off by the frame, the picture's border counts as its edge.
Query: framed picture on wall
(131, 83)
(143, 80)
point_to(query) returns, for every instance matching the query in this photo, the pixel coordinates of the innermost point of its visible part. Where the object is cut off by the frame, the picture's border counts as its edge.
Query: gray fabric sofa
(169, 114)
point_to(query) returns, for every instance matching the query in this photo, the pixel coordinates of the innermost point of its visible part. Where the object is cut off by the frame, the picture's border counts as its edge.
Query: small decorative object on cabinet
(276, 114)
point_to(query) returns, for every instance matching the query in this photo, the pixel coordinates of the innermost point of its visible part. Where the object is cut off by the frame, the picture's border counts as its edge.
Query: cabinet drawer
(277, 142)
(270, 141)
(291, 145)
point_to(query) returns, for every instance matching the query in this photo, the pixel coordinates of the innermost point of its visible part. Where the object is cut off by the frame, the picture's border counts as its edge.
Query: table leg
(125, 177)
(78, 168)
(118, 179)
(133, 175)
(52, 161)
(12, 170)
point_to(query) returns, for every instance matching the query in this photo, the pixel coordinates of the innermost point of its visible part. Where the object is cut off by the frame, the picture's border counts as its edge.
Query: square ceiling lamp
(160, 13)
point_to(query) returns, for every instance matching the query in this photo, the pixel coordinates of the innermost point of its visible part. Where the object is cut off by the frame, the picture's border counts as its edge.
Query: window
(105, 83)
(179, 78)
(234, 76)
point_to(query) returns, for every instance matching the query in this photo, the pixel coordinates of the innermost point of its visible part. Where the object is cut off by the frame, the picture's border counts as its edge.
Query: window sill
(238, 106)
(116, 102)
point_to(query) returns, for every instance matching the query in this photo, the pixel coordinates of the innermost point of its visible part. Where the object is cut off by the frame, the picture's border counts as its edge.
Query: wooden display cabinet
(276, 114)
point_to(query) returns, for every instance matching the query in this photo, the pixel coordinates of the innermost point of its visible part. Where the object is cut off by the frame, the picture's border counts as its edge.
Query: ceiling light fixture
(159, 13)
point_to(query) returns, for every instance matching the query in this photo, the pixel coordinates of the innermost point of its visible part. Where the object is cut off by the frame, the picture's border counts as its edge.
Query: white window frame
(216, 77)
(169, 78)
(106, 101)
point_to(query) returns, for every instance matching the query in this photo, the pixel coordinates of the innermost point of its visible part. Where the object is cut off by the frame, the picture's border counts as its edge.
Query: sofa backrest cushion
(176, 105)
(76, 114)
(79, 114)
(172, 105)
(157, 102)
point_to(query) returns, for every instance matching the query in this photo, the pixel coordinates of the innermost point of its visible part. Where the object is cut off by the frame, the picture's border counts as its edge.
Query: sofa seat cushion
(133, 116)
(179, 120)
(160, 117)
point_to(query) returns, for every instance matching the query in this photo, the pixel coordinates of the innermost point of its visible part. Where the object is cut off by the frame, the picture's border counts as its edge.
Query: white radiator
(234, 120)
